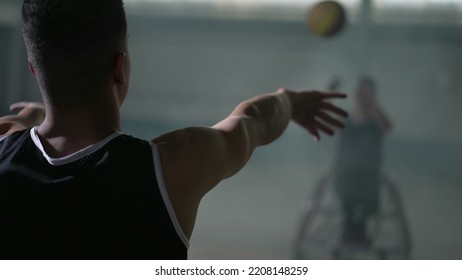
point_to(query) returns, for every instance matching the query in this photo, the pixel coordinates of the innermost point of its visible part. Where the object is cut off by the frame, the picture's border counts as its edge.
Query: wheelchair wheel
(319, 232)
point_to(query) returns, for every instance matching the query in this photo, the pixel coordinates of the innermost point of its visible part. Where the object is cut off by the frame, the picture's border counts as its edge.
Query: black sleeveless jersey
(107, 201)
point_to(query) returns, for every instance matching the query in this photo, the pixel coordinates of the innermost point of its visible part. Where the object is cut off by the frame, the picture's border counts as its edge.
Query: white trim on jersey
(74, 156)
(164, 193)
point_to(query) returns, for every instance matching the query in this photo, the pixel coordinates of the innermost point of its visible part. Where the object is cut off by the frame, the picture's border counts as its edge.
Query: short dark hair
(57, 32)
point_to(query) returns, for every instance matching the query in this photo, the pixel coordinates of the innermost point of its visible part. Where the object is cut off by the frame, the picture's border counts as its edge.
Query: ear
(31, 68)
(119, 68)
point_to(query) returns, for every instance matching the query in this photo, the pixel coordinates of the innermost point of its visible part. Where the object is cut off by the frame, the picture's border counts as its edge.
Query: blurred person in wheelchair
(358, 162)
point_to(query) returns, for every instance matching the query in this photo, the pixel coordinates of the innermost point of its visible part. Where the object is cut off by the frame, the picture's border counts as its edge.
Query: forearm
(263, 119)
(254, 122)
(270, 115)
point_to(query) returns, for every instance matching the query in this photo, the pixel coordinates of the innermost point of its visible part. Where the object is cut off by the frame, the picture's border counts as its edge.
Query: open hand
(312, 110)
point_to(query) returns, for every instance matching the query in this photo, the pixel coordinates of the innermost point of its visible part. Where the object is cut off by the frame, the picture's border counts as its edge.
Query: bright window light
(382, 11)
(288, 10)
(447, 12)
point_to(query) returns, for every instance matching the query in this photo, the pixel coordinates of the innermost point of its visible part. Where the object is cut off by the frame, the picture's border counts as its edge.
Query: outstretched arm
(29, 114)
(196, 159)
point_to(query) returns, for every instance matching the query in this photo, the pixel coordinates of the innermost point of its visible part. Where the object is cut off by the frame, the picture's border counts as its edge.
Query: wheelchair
(318, 235)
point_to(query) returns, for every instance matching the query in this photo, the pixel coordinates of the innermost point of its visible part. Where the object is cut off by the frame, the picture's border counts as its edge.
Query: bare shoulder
(191, 158)
(189, 169)
(182, 136)
(187, 143)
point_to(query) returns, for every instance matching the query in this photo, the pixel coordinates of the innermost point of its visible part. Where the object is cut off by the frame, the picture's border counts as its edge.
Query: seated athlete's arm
(196, 159)
(29, 114)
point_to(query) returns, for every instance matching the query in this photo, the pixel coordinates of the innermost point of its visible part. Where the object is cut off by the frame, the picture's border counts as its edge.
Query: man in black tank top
(73, 186)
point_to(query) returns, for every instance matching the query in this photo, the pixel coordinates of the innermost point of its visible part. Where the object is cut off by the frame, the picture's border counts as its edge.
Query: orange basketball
(326, 18)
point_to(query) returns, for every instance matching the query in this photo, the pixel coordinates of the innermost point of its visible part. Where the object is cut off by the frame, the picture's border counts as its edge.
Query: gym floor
(254, 214)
